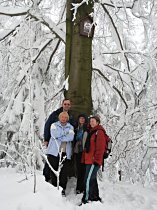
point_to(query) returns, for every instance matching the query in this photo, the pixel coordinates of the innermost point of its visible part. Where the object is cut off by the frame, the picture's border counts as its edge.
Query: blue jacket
(59, 134)
(54, 118)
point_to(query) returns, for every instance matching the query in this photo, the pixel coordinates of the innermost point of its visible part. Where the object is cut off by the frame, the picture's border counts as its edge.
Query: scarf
(87, 144)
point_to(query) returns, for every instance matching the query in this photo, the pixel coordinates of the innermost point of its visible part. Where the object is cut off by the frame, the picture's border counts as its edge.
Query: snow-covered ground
(17, 194)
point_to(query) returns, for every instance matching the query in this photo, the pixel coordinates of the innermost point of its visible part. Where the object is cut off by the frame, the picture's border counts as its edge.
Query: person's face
(81, 120)
(66, 105)
(63, 119)
(93, 122)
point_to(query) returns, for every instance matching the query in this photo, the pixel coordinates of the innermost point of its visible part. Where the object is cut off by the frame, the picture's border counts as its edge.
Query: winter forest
(124, 81)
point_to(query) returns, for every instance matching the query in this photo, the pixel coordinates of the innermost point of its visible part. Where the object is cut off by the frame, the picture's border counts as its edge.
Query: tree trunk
(78, 61)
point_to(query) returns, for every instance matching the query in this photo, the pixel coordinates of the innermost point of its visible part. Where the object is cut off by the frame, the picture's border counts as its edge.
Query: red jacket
(98, 146)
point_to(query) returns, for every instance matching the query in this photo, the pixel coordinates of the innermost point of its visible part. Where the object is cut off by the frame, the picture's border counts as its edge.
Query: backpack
(109, 145)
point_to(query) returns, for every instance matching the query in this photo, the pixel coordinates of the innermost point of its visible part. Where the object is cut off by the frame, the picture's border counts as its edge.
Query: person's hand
(46, 143)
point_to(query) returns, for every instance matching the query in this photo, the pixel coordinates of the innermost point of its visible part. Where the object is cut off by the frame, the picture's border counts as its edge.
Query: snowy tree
(33, 69)
(78, 60)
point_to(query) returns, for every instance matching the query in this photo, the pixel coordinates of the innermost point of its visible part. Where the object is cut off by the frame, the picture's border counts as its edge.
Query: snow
(17, 194)
(134, 131)
(12, 10)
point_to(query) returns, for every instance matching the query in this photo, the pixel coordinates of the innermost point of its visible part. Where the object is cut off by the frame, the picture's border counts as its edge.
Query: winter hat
(84, 116)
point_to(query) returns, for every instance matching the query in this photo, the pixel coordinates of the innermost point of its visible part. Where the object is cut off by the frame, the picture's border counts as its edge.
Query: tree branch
(51, 25)
(118, 36)
(114, 87)
(129, 6)
(139, 96)
(8, 33)
(12, 11)
(52, 54)
(40, 51)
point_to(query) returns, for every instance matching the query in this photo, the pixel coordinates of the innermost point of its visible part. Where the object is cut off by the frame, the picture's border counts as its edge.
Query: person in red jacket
(95, 147)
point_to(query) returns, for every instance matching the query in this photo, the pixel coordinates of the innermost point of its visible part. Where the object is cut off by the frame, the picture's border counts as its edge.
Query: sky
(16, 193)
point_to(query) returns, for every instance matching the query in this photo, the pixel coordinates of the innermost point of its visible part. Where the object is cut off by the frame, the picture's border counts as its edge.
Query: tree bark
(78, 60)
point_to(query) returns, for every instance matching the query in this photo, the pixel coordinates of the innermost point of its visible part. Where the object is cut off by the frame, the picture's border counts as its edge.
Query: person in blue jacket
(60, 145)
(66, 106)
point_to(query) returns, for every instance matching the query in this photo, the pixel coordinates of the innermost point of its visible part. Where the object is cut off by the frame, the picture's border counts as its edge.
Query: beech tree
(78, 57)
(36, 66)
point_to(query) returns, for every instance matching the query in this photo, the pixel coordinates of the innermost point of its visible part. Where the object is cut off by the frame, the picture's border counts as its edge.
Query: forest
(123, 82)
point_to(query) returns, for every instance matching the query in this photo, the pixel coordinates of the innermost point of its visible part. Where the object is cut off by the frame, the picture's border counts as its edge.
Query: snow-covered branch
(50, 24)
(113, 86)
(52, 54)
(117, 5)
(6, 33)
(12, 149)
(76, 6)
(143, 89)
(117, 38)
(12, 11)
(47, 42)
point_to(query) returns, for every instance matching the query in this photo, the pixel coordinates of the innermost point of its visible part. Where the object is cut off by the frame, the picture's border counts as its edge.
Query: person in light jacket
(62, 134)
(66, 106)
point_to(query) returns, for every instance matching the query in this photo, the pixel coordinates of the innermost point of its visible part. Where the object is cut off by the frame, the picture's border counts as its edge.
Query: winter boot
(63, 193)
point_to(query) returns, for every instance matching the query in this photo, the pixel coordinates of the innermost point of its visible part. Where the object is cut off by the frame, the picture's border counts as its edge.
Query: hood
(98, 127)
(84, 116)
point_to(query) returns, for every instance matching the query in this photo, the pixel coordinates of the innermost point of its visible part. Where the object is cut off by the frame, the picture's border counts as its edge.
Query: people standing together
(85, 140)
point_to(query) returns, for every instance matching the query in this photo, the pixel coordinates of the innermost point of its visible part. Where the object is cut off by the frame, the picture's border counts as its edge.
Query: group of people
(83, 138)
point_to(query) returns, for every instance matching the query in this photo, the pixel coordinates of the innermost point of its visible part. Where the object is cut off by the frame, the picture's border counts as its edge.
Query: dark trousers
(46, 172)
(91, 191)
(54, 161)
(80, 171)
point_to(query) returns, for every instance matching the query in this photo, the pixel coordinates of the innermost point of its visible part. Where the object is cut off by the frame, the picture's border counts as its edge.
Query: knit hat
(84, 116)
